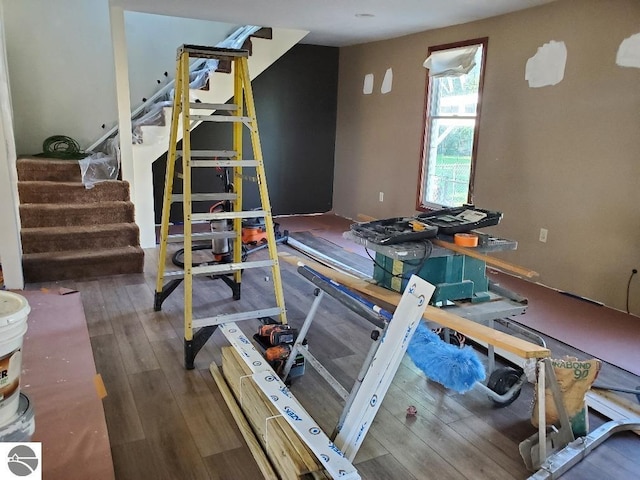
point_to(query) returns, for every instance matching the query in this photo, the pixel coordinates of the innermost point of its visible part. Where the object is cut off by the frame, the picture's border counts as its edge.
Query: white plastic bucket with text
(14, 311)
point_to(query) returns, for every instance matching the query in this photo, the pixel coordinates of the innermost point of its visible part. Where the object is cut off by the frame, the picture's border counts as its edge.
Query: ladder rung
(199, 51)
(213, 106)
(235, 317)
(224, 163)
(196, 237)
(209, 153)
(219, 269)
(231, 267)
(227, 215)
(203, 197)
(219, 118)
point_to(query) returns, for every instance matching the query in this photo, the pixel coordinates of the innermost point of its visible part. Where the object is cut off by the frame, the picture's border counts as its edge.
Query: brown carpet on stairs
(69, 232)
(51, 215)
(72, 192)
(51, 170)
(83, 237)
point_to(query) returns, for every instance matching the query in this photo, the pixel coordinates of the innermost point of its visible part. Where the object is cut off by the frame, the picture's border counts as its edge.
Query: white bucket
(22, 425)
(14, 310)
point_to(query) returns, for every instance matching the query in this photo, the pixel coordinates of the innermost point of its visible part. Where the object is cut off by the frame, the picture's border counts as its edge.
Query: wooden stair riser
(69, 192)
(69, 215)
(57, 239)
(53, 266)
(50, 170)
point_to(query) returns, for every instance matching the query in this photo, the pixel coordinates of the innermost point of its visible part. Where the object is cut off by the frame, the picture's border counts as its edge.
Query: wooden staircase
(69, 232)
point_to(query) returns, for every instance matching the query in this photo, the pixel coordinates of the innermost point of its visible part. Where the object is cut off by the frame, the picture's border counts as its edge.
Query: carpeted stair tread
(48, 169)
(72, 192)
(83, 237)
(70, 265)
(70, 232)
(34, 215)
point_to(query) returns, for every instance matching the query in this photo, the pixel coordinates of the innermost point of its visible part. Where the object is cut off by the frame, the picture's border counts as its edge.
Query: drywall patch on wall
(387, 81)
(629, 52)
(367, 88)
(546, 67)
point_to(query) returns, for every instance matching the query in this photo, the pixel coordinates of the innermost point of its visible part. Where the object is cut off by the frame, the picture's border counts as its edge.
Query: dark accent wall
(296, 103)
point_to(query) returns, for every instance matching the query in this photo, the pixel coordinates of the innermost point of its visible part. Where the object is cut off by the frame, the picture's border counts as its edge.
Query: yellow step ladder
(198, 330)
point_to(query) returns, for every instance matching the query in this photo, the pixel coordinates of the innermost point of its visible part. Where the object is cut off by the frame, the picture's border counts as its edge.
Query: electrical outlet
(381, 196)
(543, 235)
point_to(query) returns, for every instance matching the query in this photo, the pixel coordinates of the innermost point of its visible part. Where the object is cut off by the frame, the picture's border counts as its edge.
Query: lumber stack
(289, 455)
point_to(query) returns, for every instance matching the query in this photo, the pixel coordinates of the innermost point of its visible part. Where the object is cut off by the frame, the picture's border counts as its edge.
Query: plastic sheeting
(198, 77)
(99, 167)
(452, 62)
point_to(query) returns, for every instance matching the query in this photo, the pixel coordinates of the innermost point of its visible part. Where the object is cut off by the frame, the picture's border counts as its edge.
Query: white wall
(61, 64)
(60, 68)
(152, 41)
(10, 247)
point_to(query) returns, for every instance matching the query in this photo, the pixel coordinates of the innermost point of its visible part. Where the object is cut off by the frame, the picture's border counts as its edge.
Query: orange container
(465, 239)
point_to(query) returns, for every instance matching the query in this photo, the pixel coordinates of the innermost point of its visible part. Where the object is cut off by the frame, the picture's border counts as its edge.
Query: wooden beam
(492, 261)
(515, 345)
(612, 406)
(249, 437)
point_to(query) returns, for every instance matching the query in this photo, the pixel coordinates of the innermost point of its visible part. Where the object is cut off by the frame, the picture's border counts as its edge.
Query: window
(452, 116)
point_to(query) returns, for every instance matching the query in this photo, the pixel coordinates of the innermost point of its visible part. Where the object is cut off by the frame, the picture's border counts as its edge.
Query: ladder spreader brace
(241, 114)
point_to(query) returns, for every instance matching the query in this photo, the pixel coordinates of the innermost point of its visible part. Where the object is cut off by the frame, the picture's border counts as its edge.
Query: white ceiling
(334, 22)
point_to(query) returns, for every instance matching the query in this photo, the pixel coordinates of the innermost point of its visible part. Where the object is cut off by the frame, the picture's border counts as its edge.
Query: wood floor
(166, 422)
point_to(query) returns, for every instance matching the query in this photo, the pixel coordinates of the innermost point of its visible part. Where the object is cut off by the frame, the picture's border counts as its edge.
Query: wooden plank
(291, 458)
(98, 322)
(235, 464)
(135, 350)
(385, 467)
(212, 431)
(492, 261)
(415, 450)
(155, 324)
(612, 406)
(492, 443)
(507, 342)
(443, 439)
(249, 437)
(120, 410)
(173, 448)
(135, 460)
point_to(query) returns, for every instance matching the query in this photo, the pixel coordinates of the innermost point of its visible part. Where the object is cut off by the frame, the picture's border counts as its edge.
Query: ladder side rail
(237, 169)
(186, 202)
(168, 183)
(262, 187)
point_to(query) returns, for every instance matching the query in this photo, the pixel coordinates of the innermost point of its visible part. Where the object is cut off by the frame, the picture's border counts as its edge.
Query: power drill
(278, 340)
